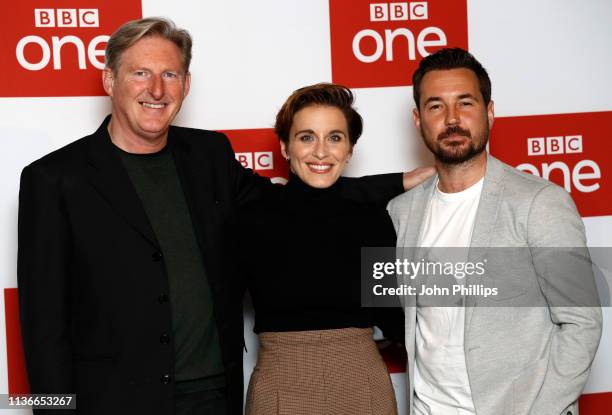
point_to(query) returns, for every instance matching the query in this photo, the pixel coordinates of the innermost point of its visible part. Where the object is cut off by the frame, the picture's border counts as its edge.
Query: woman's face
(319, 145)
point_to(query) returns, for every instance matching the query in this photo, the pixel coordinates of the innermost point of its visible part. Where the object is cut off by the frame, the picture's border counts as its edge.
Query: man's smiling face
(148, 89)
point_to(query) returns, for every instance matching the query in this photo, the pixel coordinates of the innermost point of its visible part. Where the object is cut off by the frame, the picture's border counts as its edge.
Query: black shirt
(303, 262)
(198, 364)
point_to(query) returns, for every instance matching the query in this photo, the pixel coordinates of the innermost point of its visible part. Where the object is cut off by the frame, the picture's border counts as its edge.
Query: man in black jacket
(124, 237)
(128, 292)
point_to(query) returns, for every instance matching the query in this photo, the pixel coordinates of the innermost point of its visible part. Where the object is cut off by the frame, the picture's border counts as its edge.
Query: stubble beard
(453, 154)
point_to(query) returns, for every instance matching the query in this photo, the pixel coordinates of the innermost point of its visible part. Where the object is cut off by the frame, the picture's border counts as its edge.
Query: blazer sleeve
(42, 274)
(557, 242)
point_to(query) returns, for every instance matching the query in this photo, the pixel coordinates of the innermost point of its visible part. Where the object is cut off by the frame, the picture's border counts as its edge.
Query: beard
(457, 152)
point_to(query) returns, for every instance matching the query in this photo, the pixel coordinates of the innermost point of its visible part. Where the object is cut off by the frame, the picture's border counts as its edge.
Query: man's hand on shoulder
(417, 176)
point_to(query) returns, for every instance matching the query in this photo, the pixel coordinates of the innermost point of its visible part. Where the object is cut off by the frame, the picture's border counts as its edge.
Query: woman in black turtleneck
(317, 355)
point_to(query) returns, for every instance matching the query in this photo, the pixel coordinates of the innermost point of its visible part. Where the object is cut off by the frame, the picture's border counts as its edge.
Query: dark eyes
(334, 138)
(306, 138)
(434, 107)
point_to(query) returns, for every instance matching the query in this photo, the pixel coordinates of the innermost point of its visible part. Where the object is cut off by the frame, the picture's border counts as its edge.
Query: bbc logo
(261, 160)
(539, 146)
(383, 12)
(66, 18)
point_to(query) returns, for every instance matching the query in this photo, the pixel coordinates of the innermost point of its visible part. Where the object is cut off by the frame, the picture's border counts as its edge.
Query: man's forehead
(449, 80)
(153, 45)
(152, 51)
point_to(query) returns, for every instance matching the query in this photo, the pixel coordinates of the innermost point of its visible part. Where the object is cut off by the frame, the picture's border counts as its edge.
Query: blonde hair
(132, 31)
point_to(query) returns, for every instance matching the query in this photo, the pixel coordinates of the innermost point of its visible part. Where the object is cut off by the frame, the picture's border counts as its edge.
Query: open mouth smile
(151, 105)
(319, 167)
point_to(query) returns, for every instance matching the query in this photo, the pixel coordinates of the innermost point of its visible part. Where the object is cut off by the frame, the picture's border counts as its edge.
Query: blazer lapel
(197, 177)
(420, 203)
(416, 218)
(486, 217)
(108, 176)
(410, 233)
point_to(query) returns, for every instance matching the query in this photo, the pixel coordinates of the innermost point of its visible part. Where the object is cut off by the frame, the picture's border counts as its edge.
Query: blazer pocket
(510, 271)
(511, 287)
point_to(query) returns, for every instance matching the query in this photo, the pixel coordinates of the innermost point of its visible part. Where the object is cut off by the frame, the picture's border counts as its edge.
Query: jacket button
(164, 339)
(570, 413)
(157, 256)
(165, 379)
(163, 298)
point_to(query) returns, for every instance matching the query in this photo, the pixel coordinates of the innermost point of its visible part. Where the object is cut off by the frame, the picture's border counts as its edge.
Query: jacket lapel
(416, 219)
(420, 204)
(197, 177)
(408, 235)
(486, 217)
(421, 197)
(108, 176)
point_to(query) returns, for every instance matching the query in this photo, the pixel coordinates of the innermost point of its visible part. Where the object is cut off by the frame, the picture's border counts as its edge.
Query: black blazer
(93, 288)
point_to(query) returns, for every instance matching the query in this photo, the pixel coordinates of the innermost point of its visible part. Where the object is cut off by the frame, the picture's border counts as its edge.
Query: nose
(156, 87)
(451, 116)
(320, 150)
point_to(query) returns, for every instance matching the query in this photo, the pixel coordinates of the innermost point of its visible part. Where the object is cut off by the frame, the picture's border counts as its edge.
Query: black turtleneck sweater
(304, 255)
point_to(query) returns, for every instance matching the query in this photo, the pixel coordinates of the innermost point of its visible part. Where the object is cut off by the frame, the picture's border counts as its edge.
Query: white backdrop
(543, 56)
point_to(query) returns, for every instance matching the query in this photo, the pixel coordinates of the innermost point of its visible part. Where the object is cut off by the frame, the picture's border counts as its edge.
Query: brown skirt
(320, 372)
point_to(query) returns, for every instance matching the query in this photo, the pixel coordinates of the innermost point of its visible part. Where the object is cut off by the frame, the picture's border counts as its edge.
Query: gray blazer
(520, 360)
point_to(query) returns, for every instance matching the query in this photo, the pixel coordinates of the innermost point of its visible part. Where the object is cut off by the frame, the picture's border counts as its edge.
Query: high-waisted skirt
(320, 372)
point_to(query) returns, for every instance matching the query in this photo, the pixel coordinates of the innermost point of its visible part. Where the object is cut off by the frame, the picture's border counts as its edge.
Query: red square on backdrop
(56, 48)
(259, 149)
(16, 369)
(572, 150)
(378, 44)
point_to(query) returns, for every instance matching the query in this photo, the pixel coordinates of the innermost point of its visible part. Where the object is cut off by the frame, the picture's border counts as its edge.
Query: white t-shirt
(441, 385)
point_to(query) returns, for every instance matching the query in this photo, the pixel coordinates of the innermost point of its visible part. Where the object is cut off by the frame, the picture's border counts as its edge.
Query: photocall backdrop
(549, 61)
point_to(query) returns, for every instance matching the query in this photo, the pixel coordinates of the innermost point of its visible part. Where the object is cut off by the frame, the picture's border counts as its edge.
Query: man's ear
(187, 84)
(490, 113)
(416, 118)
(108, 81)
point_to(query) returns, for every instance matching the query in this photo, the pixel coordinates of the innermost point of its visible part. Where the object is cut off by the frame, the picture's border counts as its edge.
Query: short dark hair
(451, 58)
(325, 94)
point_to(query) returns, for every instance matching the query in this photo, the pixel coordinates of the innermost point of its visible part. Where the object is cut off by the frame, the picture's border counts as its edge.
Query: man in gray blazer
(528, 351)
